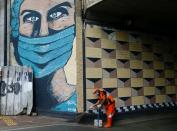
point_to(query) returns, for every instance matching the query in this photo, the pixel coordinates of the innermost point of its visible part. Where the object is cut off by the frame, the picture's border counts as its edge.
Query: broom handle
(98, 116)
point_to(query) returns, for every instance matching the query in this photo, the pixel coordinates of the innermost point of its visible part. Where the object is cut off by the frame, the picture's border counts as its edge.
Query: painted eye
(32, 19)
(56, 15)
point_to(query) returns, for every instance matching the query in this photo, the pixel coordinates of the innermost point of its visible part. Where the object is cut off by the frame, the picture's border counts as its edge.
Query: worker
(107, 102)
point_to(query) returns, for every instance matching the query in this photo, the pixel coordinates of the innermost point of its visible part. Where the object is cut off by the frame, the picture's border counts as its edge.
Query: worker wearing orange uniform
(109, 104)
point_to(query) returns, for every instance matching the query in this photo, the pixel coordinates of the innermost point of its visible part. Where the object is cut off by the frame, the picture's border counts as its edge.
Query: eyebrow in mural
(67, 4)
(58, 11)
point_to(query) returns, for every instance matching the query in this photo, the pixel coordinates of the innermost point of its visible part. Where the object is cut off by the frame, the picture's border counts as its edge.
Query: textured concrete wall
(2, 32)
(136, 68)
(89, 3)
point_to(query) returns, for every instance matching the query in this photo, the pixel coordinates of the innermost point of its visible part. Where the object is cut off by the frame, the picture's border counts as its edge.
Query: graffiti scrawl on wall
(43, 33)
(16, 92)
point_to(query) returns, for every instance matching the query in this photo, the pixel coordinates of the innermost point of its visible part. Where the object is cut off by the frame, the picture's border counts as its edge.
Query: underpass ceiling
(154, 16)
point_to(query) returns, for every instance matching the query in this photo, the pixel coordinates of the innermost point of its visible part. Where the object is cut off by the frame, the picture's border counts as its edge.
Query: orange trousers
(110, 111)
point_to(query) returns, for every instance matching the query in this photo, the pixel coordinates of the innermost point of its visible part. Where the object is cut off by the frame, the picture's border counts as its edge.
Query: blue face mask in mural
(46, 54)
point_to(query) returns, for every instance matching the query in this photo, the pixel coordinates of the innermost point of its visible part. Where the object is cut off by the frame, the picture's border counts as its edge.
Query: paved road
(168, 124)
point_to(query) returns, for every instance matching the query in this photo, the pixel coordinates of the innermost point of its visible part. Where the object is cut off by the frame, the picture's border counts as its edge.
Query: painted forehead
(43, 5)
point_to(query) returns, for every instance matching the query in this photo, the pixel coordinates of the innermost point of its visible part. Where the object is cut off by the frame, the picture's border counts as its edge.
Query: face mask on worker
(46, 54)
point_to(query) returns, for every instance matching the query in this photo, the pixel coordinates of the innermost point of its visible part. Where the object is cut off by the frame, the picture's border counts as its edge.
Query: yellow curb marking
(8, 121)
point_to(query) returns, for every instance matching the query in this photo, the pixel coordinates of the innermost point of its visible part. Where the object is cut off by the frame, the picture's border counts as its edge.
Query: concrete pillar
(79, 56)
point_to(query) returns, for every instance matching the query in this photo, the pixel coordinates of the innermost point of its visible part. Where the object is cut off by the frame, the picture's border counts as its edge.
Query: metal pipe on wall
(5, 32)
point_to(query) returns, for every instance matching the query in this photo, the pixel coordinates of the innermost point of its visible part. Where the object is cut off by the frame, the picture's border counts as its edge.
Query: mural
(43, 33)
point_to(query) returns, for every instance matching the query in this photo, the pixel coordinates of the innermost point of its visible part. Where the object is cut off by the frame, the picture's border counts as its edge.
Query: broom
(80, 118)
(87, 115)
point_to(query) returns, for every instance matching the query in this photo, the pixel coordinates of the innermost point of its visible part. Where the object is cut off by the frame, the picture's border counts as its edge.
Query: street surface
(167, 124)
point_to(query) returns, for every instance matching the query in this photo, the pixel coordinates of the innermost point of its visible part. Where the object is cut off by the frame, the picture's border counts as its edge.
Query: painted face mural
(43, 33)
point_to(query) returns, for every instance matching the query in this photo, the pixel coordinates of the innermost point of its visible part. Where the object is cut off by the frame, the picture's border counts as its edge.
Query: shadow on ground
(128, 117)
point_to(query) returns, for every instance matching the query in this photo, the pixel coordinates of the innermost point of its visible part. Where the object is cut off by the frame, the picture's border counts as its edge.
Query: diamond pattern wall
(137, 69)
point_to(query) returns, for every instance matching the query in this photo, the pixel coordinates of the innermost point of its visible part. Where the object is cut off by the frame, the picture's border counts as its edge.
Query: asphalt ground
(167, 124)
(147, 121)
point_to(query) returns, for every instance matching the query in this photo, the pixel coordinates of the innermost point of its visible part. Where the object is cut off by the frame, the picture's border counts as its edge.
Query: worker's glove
(92, 107)
(98, 106)
(110, 115)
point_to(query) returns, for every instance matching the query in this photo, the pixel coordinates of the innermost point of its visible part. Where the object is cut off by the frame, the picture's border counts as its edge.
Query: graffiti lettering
(12, 88)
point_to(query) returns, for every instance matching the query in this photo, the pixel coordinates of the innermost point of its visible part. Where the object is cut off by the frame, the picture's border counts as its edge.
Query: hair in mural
(15, 10)
(43, 40)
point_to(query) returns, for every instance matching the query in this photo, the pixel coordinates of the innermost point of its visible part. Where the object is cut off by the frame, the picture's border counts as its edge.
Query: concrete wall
(89, 3)
(43, 37)
(2, 32)
(136, 68)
